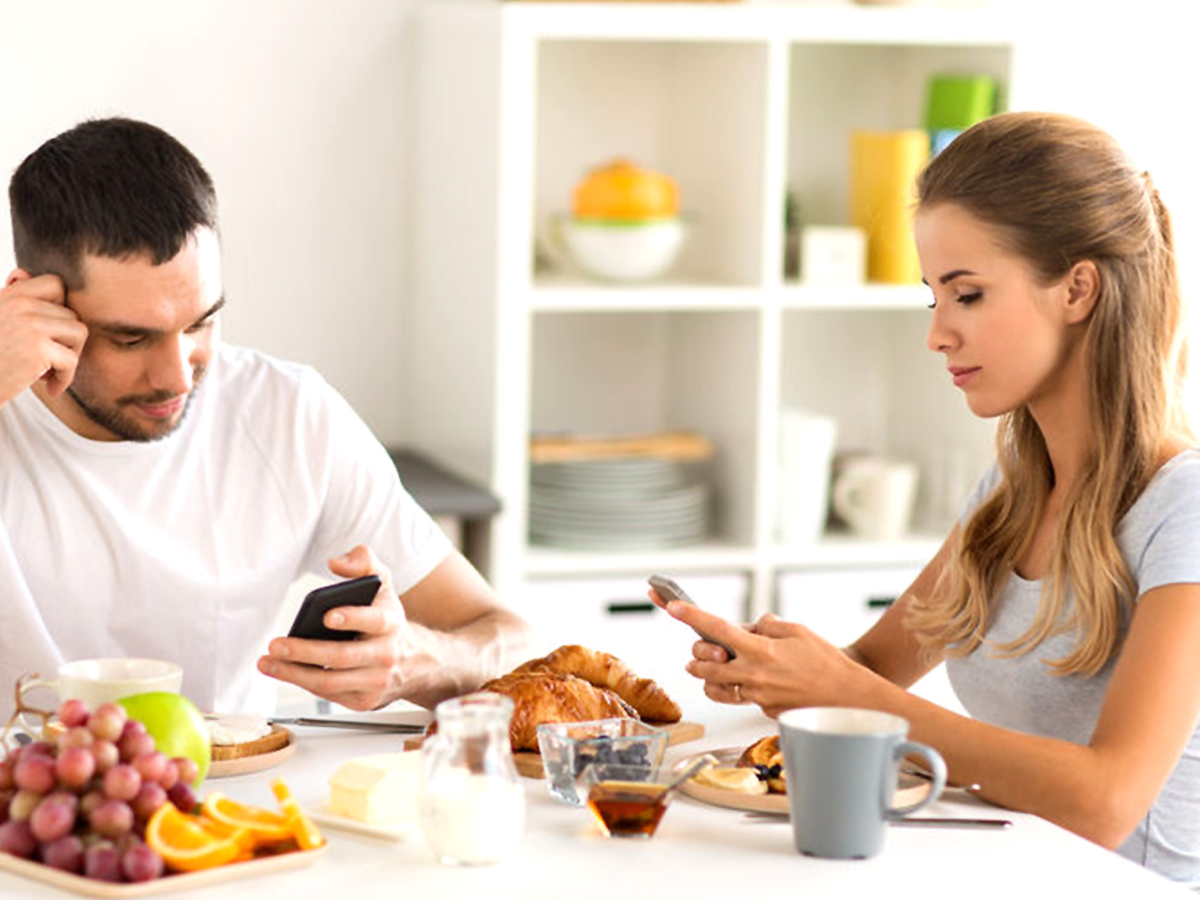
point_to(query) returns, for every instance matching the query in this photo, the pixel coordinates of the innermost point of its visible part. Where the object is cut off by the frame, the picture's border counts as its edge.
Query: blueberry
(582, 760)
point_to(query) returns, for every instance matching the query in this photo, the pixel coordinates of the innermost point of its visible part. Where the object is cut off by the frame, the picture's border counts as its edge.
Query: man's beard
(114, 419)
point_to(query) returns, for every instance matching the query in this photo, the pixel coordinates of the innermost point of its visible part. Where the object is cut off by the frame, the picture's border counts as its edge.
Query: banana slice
(744, 781)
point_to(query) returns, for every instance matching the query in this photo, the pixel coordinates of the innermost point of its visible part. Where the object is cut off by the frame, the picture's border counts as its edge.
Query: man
(159, 491)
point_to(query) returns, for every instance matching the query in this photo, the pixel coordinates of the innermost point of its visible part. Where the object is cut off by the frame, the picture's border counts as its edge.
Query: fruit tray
(167, 884)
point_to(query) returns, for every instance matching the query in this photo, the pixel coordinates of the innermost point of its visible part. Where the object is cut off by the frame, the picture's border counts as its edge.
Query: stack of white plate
(617, 504)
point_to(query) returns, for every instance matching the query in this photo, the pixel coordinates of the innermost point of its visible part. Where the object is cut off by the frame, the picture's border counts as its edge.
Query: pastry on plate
(244, 734)
(766, 759)
(576, 684)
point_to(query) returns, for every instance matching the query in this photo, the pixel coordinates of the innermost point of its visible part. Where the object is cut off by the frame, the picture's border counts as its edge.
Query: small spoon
(690, 770)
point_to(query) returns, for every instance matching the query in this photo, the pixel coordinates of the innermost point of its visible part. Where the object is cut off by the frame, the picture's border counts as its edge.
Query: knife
(927, 821)
(355, 724)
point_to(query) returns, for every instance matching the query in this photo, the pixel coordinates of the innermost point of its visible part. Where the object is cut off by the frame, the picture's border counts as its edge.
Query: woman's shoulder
(1180, 473)
(1160, 535)
(1172, 495)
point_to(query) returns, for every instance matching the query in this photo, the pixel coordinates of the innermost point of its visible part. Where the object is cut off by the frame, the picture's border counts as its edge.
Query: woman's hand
(779, 665)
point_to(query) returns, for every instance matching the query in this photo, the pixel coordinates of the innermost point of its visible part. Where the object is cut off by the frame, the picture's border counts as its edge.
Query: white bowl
(622, 251)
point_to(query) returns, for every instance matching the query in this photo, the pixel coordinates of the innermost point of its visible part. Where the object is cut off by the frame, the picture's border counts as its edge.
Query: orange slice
(307, 835)
(185, 844)
(264, 825)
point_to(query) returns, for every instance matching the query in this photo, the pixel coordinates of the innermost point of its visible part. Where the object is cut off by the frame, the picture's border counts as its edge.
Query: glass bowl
(628, 801)
(569, 748)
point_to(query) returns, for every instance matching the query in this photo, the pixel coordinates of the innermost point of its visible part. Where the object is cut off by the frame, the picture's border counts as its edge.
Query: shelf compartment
(646, 372)
(890, 396)
(694, 111)
(541, 562)
(879, 88)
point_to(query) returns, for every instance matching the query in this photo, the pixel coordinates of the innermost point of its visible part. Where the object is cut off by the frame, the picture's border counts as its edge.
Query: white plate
(908, 790)
(246, 764)
(388, 831)
(89, 887)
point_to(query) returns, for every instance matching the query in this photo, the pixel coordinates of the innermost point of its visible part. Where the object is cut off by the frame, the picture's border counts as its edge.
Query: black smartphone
(669, 590)
(310, 619)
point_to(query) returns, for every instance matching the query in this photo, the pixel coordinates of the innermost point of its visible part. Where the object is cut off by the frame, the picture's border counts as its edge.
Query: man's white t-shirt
(183, 548)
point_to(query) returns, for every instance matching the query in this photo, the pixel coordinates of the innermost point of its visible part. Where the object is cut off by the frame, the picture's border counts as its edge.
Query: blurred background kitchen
(750, 408)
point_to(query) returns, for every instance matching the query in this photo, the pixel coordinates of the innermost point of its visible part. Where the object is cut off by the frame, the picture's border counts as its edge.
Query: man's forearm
(457, 662)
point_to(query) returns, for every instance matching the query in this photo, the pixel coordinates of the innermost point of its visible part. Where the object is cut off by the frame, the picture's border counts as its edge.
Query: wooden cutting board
(529, 762)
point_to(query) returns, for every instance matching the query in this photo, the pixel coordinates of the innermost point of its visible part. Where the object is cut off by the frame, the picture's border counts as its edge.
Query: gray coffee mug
(842, 766)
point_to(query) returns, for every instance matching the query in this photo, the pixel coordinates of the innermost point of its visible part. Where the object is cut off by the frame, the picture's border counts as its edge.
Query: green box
(959, 101)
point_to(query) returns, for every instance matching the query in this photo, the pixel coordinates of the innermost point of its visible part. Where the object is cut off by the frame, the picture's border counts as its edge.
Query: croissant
(606, 671)
(540, 697)
(766, 757)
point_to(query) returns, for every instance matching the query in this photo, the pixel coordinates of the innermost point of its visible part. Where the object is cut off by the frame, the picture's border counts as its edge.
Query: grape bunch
(80, 802)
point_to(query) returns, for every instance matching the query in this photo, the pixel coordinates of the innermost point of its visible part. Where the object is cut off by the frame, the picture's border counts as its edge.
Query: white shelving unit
(740, 104)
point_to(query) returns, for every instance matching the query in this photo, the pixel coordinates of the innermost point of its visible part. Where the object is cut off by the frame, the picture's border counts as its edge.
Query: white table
(699, 850)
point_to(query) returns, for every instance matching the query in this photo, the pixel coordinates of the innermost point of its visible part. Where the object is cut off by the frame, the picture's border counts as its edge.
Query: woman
(1066, 603)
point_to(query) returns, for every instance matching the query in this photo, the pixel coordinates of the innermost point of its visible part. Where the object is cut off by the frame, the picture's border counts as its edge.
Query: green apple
(177, 726)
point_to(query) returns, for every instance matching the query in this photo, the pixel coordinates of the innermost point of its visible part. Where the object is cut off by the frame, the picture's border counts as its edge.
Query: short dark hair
(107, 187)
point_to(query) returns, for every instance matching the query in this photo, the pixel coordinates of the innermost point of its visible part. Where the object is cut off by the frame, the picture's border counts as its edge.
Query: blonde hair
(1058, 191)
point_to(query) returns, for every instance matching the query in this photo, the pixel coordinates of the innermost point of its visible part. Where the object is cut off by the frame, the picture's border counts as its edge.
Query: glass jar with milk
(472, 804)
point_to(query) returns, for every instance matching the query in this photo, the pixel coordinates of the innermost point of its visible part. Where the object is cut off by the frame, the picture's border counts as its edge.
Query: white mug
(875, 496)
(97, 681)
(806, 444)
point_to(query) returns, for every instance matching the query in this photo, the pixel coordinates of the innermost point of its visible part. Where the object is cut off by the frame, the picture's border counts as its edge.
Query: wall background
(299, 109)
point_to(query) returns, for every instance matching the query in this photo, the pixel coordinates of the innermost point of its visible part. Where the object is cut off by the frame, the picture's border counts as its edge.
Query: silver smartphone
(669, 590)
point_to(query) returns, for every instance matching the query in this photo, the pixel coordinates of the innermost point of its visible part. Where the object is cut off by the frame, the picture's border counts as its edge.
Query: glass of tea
(627, 801)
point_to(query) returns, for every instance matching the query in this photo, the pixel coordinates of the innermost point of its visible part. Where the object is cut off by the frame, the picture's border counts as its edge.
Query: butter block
(377, 789)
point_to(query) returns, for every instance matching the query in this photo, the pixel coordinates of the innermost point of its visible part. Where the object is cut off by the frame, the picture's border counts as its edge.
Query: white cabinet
(841, 604)
(741, 103)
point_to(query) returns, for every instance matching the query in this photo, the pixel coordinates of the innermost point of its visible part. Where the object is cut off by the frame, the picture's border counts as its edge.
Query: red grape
(141, 863)
(182, 795)
(111, 819)
(75, 766)
(102, 862)
(22, 805)
(64, 853)
(79, 736)
(35, 772)
(188, 770)
(16, 838)
(107, 721)
(107, 755)
(122, 782)
(90, 801)
(151, 766)
(6, 773)
(54, 818)
(134, 745)
(170, 775)
(73, 712)
(148, 799)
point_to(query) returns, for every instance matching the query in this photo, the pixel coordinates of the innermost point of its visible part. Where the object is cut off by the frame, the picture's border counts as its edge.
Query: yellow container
(883, 168)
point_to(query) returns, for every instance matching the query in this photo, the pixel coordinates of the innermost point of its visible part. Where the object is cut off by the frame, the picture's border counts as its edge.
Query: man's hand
(357, 674)
(39, 336)
(446, 638)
